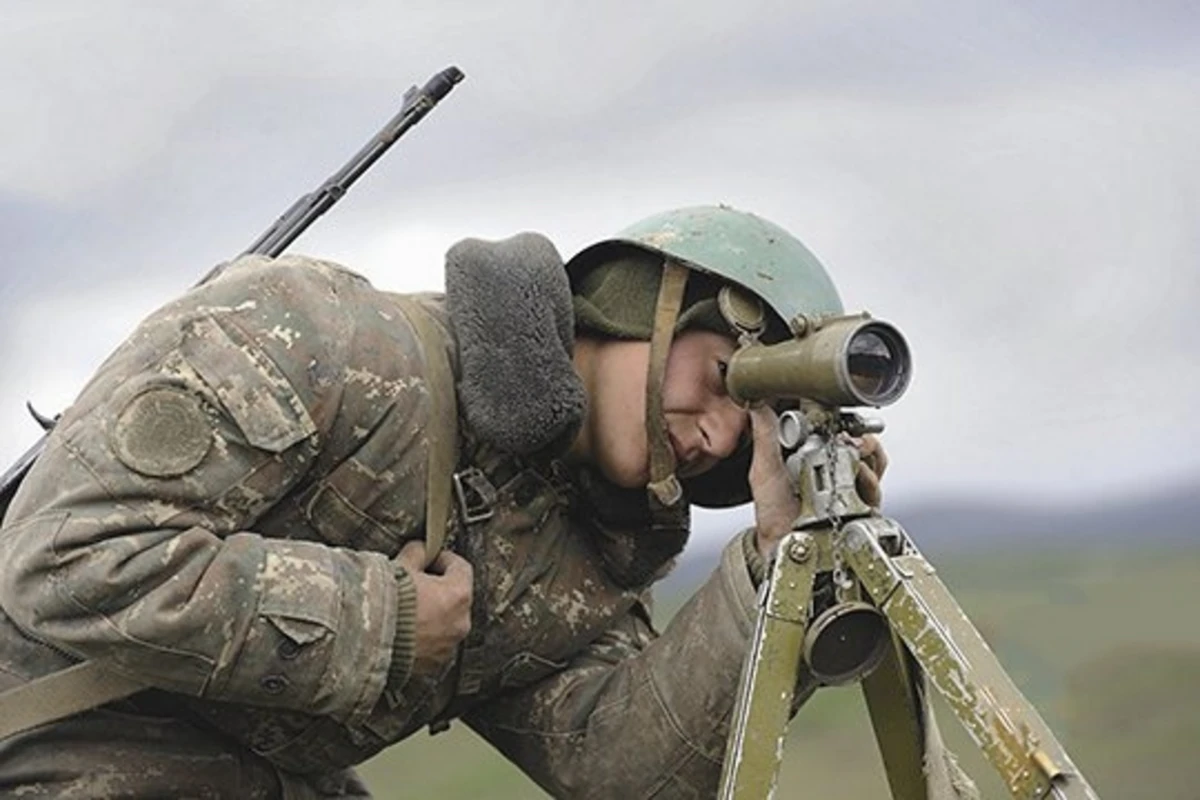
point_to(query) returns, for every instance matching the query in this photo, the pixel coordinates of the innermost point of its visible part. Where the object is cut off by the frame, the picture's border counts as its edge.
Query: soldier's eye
(718, 383)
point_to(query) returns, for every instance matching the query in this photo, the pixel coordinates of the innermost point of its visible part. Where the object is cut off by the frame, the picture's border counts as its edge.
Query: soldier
(234, 513)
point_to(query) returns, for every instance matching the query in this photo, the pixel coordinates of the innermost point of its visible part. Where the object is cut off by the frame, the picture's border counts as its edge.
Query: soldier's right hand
(444, 593)
(776, 504)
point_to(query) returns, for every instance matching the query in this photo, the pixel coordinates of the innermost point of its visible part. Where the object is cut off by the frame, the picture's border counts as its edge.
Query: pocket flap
(257, 395)
(300, 631)
(301, 597)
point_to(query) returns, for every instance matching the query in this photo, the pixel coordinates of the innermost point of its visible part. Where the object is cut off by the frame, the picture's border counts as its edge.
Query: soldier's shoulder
(292, 269)
(301, 289)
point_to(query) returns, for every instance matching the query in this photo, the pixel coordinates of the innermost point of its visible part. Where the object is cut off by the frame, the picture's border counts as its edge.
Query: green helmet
(615, 290)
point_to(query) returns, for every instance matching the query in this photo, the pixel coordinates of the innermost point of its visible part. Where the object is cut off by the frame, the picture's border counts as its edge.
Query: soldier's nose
(723, 430)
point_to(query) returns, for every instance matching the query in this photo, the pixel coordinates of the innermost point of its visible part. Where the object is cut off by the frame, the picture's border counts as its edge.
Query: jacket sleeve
(133, 537)
(639, 715)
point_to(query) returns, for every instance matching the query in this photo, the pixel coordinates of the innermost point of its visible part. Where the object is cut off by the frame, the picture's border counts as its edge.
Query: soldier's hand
(872, 463)
(443, 604)
(776, 504)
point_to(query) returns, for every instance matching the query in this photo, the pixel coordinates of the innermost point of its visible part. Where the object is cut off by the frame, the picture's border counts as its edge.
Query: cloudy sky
(1015, 184)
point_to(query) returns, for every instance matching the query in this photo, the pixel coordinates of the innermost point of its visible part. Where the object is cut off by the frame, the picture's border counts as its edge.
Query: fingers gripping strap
(663, 483)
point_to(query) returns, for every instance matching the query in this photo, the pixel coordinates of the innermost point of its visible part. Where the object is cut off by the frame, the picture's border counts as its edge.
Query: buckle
(476, 495)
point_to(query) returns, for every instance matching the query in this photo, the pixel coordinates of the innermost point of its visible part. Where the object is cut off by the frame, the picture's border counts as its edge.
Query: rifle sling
(441, 431)
(77, 688)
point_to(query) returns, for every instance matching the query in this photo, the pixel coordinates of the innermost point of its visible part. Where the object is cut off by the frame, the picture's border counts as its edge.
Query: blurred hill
(954, 526)
(1168, 515)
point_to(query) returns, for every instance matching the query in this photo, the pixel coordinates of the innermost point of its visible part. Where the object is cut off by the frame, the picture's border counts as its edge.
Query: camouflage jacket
(217, 512)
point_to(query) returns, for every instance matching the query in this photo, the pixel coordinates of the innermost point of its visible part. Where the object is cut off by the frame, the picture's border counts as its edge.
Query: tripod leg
(893, 695)
(960, 665)
(917, 764)
(769, 675)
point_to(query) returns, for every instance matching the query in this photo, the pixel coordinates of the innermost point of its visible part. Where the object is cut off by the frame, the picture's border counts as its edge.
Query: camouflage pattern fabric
(217, 515)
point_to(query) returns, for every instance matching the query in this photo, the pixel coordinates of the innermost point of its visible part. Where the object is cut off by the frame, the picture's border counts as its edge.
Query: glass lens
(875, 365)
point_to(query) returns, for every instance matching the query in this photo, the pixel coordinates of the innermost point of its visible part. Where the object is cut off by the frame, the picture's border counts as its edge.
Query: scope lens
(877, 361)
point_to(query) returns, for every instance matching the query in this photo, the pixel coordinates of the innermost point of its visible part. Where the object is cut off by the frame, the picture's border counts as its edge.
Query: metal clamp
(476, 495)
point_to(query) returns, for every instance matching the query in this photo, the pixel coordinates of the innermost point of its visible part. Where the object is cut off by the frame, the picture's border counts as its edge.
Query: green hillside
(1106, 642)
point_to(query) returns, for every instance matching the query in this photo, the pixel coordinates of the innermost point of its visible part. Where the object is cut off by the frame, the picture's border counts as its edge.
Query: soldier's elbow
(34, 578)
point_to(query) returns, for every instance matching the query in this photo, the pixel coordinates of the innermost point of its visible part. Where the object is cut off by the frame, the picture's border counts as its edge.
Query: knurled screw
(799, 551)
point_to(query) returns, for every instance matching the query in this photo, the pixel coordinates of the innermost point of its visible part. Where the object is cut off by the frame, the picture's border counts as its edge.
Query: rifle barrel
(417, 103)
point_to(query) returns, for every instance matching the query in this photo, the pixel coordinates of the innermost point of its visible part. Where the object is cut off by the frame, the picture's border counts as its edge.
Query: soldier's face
(704, 424)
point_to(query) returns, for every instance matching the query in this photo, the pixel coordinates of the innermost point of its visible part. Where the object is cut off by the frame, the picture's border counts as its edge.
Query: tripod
(850, 595)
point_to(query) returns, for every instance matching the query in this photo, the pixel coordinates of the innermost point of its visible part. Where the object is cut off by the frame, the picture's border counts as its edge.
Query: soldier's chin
(627, 476)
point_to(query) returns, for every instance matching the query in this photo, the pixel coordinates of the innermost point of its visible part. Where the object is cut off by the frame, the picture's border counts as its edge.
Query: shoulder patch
(162, 432)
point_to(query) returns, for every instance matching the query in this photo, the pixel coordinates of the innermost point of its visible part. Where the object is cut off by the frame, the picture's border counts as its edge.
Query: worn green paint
(768, 682)
(892, 695)
(738, 246)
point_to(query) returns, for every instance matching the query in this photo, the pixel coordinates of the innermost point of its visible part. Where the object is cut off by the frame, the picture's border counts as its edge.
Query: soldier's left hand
(873, 462)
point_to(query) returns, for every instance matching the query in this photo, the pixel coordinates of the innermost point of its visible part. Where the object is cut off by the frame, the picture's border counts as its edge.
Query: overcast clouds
(1016, 185)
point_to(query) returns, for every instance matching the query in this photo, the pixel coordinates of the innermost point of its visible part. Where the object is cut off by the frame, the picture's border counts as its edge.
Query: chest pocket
(338, 519)
(541, 591)
(374, 499)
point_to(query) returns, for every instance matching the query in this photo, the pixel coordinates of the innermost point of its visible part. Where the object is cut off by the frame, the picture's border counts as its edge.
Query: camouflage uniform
(217, 513)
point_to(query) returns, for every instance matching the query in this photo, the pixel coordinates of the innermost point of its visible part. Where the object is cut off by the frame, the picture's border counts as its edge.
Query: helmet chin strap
(664, 486)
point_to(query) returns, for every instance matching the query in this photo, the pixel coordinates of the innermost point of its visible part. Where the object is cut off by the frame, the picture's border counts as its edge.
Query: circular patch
(162, 433)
